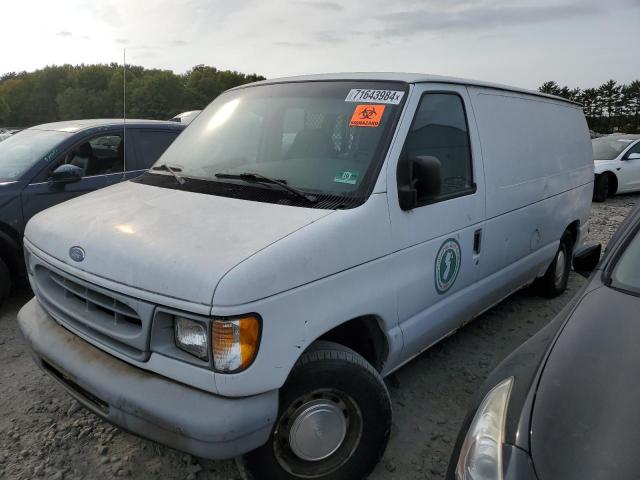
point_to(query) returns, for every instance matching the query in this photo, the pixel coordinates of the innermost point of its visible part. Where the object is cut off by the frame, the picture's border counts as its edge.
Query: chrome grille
(120, 322)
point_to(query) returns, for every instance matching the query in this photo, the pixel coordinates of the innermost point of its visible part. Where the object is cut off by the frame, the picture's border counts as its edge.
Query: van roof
(74, 126)
(405, 78)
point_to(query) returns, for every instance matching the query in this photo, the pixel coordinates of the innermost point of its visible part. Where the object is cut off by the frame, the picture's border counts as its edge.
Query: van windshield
(21, 151)
(608, 148)
(326, 140)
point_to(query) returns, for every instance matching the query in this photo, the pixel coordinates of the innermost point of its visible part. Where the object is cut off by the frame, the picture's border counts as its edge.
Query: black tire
(554, 282)
(327, 372)
(601, 188)
(5, 281)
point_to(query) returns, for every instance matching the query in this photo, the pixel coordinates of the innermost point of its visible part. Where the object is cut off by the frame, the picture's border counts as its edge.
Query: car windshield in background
(626, 274)
(608, 148)
(22, 150)
(324, 139)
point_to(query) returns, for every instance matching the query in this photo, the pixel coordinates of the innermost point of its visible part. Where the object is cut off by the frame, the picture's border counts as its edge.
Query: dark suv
(48, 164)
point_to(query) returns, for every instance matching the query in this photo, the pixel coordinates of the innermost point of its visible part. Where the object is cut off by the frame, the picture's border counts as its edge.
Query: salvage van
(301, 240)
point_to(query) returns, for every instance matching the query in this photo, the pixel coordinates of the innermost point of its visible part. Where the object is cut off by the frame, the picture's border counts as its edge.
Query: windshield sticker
(367, 116)
(392, 97)
(347, 177)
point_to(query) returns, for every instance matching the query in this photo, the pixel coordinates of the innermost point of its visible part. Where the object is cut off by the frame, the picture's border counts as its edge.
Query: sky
(519, 42)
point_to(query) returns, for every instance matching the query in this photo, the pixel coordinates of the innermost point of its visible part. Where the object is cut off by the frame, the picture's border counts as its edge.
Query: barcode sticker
(359, 95)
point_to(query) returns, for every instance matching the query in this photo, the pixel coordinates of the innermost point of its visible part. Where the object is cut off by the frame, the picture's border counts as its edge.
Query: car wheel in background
(601, 187)
(334, 420)
(5, 281)
(554, 282)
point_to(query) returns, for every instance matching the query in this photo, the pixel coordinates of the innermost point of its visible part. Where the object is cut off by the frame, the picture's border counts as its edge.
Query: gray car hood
(170, 242)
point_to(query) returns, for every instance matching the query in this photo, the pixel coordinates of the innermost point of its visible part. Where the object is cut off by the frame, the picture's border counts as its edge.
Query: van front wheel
(333, 422)
(554, 282)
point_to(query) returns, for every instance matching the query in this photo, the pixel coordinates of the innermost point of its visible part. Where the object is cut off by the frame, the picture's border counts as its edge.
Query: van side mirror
(66, 173)
(633, 156)
(425, 182)
(586, 260)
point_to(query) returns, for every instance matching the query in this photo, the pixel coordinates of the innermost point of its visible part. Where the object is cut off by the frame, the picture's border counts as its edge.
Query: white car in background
(616, 165)
(186, 117)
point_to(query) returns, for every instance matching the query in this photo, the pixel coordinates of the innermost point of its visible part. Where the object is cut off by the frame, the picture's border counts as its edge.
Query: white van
(302, 239)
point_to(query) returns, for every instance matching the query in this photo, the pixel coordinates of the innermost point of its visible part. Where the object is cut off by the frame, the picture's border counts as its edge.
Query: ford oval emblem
(76, 254)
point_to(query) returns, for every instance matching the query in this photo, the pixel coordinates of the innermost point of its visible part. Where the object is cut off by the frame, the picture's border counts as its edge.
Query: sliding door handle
(477, 241)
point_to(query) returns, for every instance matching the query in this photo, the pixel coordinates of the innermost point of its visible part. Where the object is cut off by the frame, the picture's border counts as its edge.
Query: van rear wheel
(554, 282)
(333, 422)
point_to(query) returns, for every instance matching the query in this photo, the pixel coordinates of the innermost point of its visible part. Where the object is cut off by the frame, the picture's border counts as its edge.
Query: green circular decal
(447, 265)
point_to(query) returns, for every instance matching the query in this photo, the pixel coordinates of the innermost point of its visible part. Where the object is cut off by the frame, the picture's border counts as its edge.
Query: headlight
(235, 343)
(481, 453)
(191, 336)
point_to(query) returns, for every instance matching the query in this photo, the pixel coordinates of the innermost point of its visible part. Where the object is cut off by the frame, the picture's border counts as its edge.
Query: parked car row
(49, 164)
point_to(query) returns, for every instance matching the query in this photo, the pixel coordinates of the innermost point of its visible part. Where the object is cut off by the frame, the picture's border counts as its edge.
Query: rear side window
(439, 129)
(151, 144)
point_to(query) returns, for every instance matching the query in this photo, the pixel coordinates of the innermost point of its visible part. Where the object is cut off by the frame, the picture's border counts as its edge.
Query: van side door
(438, 243)
(99, 155)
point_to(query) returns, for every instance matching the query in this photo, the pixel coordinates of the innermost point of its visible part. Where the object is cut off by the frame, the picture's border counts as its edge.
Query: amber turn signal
(235, 343)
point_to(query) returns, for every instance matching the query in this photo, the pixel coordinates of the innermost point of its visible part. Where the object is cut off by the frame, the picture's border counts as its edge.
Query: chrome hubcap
(560, 266)
(317, 431)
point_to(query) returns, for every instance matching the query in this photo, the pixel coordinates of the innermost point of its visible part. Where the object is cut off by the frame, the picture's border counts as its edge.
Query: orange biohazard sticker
(367, 116)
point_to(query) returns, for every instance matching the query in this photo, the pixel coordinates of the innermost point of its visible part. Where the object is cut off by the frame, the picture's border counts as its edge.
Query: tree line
(70, 92)
(611, 107)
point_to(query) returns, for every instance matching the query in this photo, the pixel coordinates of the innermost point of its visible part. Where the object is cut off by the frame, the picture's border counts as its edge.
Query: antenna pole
(124, 113)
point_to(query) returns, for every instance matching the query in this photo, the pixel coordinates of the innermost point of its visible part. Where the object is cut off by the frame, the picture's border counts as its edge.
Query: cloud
(467, 15)
(179, 43)
(122, 41)
(291, 44)
(336, 7)
(64, 33)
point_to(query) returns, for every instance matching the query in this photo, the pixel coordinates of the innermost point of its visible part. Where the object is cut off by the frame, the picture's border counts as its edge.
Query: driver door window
(101, 155)
(439, 129)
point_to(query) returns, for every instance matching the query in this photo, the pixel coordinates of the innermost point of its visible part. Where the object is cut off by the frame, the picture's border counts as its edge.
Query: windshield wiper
(172, 171)
(257, 177)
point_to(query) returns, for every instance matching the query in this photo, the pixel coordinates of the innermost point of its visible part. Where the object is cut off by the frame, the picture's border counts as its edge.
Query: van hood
(170, 242)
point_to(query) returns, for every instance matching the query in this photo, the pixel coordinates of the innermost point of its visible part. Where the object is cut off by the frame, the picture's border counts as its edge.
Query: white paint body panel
(168, 242)
(626, 171)
(306, 271)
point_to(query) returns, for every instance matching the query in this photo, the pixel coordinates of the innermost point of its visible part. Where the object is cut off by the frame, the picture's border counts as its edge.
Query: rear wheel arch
(613, 183)
(573, 229)
(365, 336)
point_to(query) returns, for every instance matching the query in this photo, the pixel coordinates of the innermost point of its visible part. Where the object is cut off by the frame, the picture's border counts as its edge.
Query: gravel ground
(43, 433)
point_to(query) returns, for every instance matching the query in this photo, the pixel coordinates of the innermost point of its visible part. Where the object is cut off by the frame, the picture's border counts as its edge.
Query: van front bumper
(144, 403)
